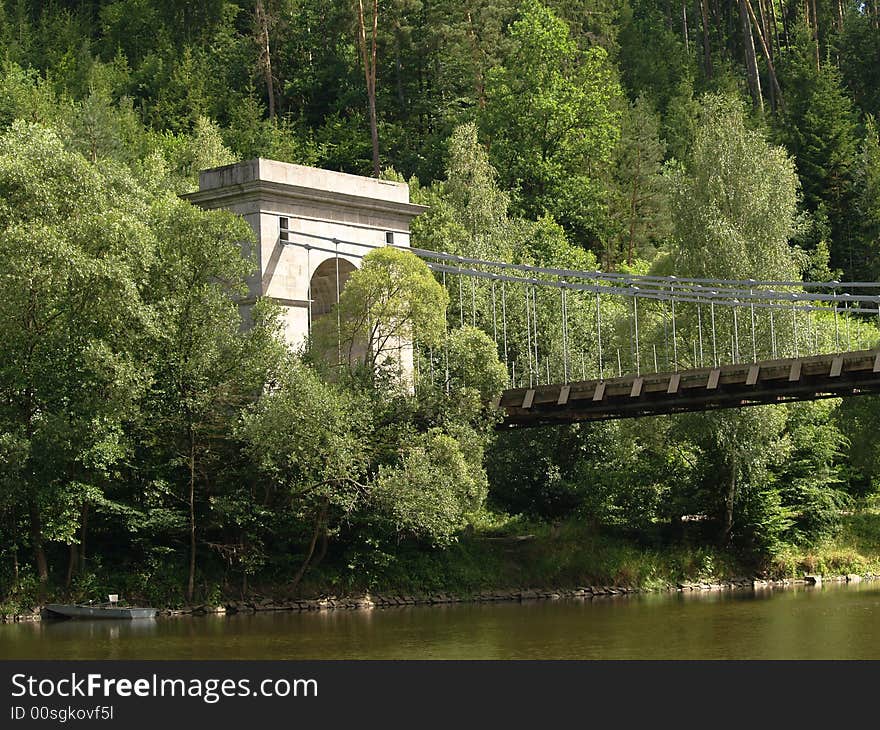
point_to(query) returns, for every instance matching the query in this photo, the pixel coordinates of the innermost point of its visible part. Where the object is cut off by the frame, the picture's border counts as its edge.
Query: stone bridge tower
(330, 212)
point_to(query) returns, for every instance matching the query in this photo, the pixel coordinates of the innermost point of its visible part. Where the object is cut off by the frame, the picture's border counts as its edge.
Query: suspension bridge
(577, 345)
(593, 345)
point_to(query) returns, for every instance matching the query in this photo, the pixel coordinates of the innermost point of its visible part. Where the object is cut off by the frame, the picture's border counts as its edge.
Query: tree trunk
(374, 133)
(398, 72)
(771, 69)
(771, 4)
(190, 584)
(369, 60)
(750, 58)
(785, 27)
(632, 210)
(816, 34)
(765, 25)
(84, 520)
(265, 55)
(731, 24)
(72, 561)
(322, 553)
(707, 47)
(766, 46)
(729, 500)
(15, 567)
(684, 28)
(478, 63)
(36, 530)
(319, 523)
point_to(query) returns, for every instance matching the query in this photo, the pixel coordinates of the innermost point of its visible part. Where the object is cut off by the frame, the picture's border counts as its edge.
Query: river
(828, 622)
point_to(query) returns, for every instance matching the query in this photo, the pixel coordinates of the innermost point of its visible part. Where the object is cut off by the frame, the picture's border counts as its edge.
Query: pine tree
(641, 209)
(819, 129)
(859, 49)
(867, 205)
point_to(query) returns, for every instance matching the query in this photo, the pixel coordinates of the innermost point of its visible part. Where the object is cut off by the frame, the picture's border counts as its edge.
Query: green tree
(468, 211)
(551, 122)
(471, 184)
(206, 367)
(679, 122)
(433, 491)
(546, 473)
(74, 246)
(858, 420)
(473, 362)
(391, 301)
(653, 59)
(203, 148)
(734, 204)
(25, 95)
(811, 477)
(101, 128)
(306, 437)
(819, 129)
(866, 260)
(741, 449)
(248, 133)
(183, 96)
(641, 209)
(734, 209)
(859, 43)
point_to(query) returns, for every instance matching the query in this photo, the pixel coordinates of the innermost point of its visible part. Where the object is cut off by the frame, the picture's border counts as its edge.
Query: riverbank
(376, 601)
(516, 561)
(370, 601)
(574, 554)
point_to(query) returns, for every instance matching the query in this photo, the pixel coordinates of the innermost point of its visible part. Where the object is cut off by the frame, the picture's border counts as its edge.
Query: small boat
(97, 611)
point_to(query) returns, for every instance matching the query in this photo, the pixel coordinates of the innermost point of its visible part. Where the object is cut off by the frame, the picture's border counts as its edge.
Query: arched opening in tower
(327, 281)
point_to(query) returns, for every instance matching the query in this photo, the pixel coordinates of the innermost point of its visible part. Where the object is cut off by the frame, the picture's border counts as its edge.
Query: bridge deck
(728, 386)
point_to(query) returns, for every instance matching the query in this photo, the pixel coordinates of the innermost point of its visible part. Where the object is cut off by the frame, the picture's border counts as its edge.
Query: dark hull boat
(67, 610)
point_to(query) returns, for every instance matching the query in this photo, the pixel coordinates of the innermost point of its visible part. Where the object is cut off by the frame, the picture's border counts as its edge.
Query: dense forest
(152, 445)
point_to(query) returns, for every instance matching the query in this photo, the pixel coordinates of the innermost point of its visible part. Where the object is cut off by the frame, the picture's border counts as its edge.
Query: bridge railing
(554, 325)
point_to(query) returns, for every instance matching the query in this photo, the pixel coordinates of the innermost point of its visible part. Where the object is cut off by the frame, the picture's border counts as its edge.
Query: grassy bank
(534, 556)
(855, 549)
(516, 554)
(573, 554)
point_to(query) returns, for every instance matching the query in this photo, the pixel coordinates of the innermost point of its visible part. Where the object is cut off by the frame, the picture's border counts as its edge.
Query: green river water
(829, 622)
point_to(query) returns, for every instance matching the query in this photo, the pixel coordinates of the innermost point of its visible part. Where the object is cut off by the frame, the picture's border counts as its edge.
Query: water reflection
(101, 630)
(800, 622)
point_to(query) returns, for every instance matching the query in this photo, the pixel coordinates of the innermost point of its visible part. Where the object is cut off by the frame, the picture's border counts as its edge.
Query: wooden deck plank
(564, 392)
(752, 377)
(714, 376)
